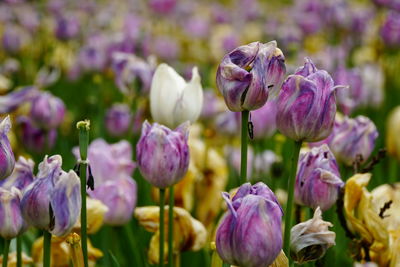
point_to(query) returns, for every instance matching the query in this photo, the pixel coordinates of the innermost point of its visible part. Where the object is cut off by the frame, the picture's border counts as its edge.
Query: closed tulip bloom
(163, 154)
(21, 176)
(250, 233)
(353, 137)
(173, 100)
(118, 119)
(52, 202)
(11, 221)
(310, 240)
(318, 179)
(47, 110)
(392, 133)
(306, 104)
(248, 74)
(119, 195)
(7, 160)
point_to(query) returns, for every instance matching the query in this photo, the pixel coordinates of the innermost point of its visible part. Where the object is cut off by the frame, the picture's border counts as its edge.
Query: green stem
(83, 127)
(170, 226)
(289, 203)
(5, 253)
(224, 264)
(19, 251)
(161, 243)
(46, 248)
(243, 161)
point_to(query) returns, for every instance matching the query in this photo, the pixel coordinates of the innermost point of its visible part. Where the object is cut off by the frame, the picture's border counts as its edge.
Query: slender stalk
(83, 127)
(46, 248)
(5, 251)
(19, 251)
(170, 226)
(289, 203)
(243, 160)
(161, 242)
(224, 264)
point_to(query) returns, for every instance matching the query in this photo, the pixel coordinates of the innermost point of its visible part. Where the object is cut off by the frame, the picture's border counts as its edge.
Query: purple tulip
(7, 160)
(264, 120)
(22, 175)
(118, 119)
(351, 97)
(212, 105)
(11, 221)
(14, 38)
(249, 73)
(390, 31)
(163, 154)
(318, 179)
(67, 26)
(250, 232)
(52, 201)
(112, 167)
(306, 104)
(228, 123)
(35, 138)
(352, 137)
(119, 195)
(13, 100)
(47, 110)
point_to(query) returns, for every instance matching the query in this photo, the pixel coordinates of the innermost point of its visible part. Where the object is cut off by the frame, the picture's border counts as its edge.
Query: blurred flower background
(62, 61)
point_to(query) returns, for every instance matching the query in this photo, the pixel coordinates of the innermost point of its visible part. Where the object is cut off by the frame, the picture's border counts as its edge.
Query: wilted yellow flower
(12, 259)
(366, 215)
(393, 133)
(189, 233)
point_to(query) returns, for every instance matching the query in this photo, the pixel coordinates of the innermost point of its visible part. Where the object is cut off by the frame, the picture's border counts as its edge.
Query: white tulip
(172, 99)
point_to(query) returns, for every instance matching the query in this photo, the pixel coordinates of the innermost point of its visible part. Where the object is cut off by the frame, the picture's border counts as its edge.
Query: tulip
(392, 133)
(250, 233)
(67, 26)
(21, 176)
(264, 120)
(212, 105)
(228, 123)
(52, 201)
(118, 119)
(163, 154)
(47, 110)
(353, 137)
(162, 6)
(306, 104)
(13, 100)
(390, 29)
(11, 221)
(172, 100)
(310, 240)
(6, 154)
(249, 73)
(119, 196)
(35, 138)
(318, 179)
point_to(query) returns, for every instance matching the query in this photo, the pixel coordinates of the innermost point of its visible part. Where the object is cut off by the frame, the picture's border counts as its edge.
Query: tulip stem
(46, 248)
(5, 251)
(161, 241)
(289, 203)
(83, 127)
(19, 251)
(170, 226)
(243, 157)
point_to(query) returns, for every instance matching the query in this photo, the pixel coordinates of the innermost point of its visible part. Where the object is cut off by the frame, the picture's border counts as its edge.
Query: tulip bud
(310, 240)
(118, 119)
(172, 100)
(11, 221)
(47, 110)
(392, 133)
(306, 104)
(52, 201)
(163, 154)
(250, 233)
(353, 137)
(264, 120)
(318, 179)
(119, 195)
(249, 73)
(22, 175)
(6, 154)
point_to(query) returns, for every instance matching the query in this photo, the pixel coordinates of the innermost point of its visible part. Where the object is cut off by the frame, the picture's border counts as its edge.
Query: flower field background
(166, 85)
